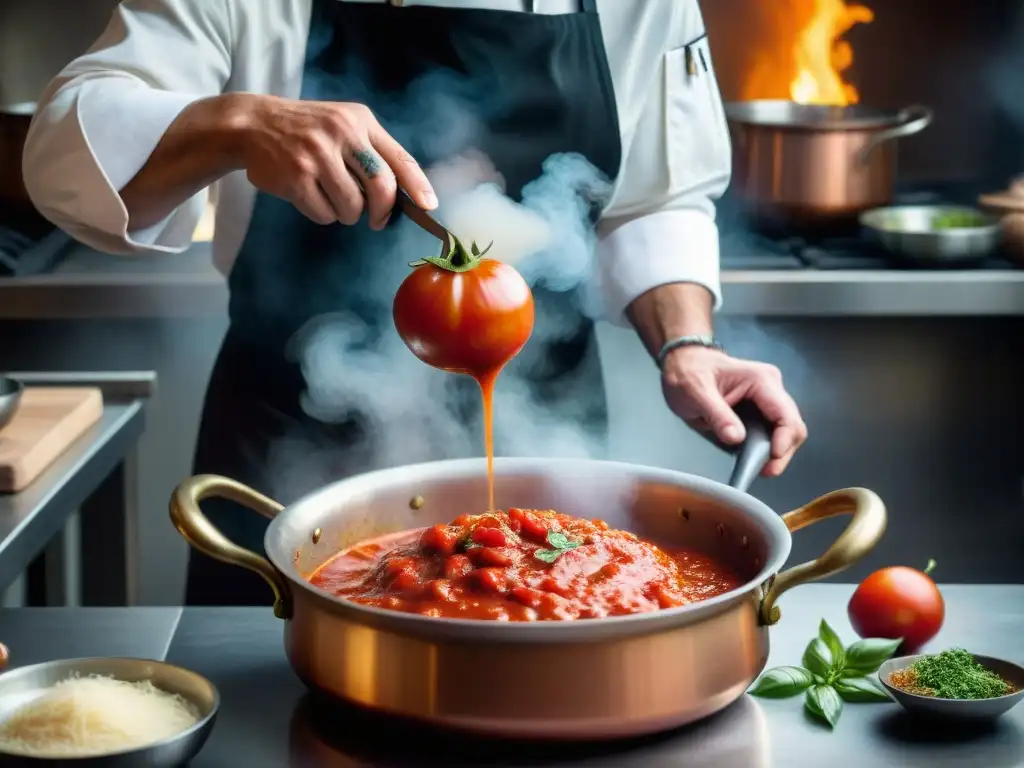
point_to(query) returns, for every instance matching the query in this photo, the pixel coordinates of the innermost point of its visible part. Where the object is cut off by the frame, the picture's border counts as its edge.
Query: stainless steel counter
(890, 293)
(267, 719)
(94, 477)
(94, 285)
(89, 284)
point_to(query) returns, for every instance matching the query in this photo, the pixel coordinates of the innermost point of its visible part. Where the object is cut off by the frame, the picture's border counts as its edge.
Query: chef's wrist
(223, 124)
(671, 311)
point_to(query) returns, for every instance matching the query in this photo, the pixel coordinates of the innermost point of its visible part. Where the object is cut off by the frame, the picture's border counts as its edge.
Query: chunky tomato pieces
(521, 565)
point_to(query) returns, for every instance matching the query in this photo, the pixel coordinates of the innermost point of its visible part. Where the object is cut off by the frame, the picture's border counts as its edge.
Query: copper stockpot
(590, 678)
(806, 166)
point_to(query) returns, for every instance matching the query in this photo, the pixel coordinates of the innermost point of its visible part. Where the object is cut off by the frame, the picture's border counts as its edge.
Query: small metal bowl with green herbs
(954, 684)
(936, 235)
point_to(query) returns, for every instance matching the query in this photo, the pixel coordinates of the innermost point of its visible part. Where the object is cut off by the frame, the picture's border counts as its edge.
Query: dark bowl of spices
(954, 684)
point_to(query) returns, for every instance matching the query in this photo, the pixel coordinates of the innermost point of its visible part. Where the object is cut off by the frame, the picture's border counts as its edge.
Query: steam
(358, 368)
(409, 411)
(403, 401)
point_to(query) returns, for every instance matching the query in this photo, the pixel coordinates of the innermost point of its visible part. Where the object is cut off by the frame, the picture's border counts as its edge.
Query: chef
(289, 105)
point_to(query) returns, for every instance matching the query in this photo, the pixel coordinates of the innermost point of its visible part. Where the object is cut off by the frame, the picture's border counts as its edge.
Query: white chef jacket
(101, 118)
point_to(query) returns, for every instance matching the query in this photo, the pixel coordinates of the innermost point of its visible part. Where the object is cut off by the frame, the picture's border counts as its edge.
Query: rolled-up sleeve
(99, 121)
(659, 227)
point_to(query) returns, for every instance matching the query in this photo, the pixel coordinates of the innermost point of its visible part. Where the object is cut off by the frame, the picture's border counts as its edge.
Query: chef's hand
(329, 159)
(701, 385)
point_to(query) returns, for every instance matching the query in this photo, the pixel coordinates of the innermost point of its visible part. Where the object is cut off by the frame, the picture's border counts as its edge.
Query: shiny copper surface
(807, 175)
(614, 688)
(575, 679)
(790, 171)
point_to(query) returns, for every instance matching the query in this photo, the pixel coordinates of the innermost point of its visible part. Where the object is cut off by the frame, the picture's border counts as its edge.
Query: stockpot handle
(910, 120)
(203, 535)
(754, 452)
(859, 538)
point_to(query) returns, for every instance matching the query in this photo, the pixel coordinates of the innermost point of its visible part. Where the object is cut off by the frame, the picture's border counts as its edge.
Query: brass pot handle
(199, 532)
(859, 538)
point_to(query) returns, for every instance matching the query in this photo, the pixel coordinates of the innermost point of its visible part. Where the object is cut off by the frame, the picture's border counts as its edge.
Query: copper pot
(592, 678)
(803, 165)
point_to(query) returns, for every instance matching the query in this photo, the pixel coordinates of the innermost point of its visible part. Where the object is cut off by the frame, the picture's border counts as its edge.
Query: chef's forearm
(670, 311)
(199, 147)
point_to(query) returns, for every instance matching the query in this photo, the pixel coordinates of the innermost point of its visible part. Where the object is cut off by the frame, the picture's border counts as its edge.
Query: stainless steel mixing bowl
(21, 685)
(908, 232)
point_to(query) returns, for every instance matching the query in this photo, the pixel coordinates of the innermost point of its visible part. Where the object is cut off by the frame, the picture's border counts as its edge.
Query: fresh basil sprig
(830, 675)
(559, 543)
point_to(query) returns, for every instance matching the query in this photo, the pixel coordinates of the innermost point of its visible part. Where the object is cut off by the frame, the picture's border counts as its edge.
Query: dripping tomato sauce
(521, 565)
(466, 314)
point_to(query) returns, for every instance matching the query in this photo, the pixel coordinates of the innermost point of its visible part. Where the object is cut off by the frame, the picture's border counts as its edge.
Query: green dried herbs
(952, 674)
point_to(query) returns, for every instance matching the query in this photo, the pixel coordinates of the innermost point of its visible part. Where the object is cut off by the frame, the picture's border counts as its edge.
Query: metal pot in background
(809, 166)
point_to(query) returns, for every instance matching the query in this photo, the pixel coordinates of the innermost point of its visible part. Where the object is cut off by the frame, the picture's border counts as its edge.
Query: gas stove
(744, 249)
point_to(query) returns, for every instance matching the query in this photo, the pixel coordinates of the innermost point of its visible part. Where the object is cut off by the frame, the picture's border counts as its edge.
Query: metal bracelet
(708, 342)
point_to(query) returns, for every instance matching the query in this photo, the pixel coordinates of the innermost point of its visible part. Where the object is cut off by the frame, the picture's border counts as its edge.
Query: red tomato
(898, 602)
(471, 321)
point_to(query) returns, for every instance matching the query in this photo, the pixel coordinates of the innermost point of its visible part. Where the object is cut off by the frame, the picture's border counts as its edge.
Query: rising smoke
(547, 237)
(350, 370)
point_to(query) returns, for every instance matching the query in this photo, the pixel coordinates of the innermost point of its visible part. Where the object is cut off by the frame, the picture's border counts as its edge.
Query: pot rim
(778, 536)
(786, 114)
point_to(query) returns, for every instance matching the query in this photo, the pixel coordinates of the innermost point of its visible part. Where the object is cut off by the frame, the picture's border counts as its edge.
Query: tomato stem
(930, 567)
(458, 258)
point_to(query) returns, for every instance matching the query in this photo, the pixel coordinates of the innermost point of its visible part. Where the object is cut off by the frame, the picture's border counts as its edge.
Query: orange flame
(822, 56)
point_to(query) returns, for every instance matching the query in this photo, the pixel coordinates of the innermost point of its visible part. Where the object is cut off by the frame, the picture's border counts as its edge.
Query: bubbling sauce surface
(521, 565)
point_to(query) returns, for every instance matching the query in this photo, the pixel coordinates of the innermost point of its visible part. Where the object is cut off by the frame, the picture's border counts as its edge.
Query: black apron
(537, 85)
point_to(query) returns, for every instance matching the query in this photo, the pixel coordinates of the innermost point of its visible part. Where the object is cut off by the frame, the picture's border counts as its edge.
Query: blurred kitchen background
(909, 380)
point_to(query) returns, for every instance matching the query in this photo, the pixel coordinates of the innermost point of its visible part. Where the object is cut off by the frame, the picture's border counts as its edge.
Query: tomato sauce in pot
(521, 565)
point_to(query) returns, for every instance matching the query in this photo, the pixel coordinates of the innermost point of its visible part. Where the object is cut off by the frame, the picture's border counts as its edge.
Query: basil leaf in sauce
(860, 690)
(548, 555)
(559, 543)
(868, 655)
(558, 540)
(823, 702)
(782, 683)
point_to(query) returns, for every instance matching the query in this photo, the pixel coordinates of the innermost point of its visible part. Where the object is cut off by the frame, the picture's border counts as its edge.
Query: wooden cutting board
(47, 422)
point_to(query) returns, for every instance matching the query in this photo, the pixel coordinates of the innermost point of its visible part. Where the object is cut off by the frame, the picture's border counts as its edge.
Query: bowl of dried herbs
(954, 684)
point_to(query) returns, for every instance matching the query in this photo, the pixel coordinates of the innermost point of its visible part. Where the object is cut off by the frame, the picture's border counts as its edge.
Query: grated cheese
(89, 716)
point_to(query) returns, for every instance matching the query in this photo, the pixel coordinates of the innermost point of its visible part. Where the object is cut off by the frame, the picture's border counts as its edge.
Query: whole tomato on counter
(463, 313)
(898, 602)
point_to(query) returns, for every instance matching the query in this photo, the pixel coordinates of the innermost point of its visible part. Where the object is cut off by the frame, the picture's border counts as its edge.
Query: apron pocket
(695, 129)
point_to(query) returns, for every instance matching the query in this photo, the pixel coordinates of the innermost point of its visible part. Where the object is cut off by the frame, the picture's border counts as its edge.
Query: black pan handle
(754, 452)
